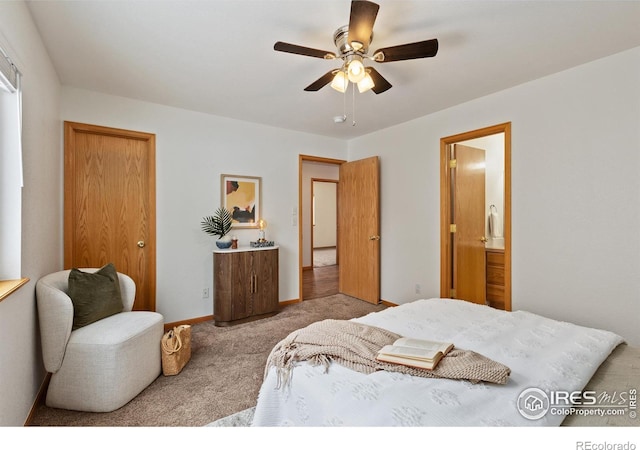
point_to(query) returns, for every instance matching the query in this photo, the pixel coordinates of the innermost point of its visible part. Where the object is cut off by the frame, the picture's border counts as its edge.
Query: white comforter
(542, 353)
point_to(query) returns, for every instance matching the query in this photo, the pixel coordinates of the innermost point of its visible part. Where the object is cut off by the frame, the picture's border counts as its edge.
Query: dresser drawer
(495, 293)
(495, 259)
(495, 275)
(495, 279)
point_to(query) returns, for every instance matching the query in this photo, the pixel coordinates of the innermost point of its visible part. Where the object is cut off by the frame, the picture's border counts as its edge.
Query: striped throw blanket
(355, 346)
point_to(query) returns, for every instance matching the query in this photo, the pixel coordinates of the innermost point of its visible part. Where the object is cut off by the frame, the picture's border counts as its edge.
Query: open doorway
(319, 274)
(358, 274)
(475, 216)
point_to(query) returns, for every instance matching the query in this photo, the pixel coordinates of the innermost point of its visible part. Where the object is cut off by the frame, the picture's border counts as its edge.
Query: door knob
(141, 244)
(483, 239)
(374, 238)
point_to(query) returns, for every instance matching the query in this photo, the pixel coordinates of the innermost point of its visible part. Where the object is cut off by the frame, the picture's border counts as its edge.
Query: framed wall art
(242, 196)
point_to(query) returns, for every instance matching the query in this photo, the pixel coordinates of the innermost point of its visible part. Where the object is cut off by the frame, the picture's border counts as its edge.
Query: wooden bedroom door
(109, 204)
(359, 229)
(469, 279)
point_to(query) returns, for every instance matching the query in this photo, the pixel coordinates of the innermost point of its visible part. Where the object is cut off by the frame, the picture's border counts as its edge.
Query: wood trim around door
(445, 206)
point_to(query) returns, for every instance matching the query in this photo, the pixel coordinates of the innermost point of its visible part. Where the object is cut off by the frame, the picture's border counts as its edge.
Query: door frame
(446, 275)
(301, 160)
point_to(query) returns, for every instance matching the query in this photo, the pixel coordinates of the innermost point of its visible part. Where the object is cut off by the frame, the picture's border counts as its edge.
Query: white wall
(326, 214)
(21, 368)
(575, 188)
(192, 151)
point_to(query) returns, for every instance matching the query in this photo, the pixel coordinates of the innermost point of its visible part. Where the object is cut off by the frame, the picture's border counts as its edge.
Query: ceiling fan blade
(322, 81)
(380, 83)
(363, 16)
(305, 51)
(422, 49)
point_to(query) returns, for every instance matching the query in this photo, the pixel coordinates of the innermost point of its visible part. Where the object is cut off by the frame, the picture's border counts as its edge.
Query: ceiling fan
(352, 42)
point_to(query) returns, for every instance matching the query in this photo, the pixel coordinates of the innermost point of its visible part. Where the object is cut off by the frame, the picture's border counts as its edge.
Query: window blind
(11, 181)
(8, 73)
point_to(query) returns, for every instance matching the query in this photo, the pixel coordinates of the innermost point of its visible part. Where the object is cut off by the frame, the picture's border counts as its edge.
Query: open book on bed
(418, 353)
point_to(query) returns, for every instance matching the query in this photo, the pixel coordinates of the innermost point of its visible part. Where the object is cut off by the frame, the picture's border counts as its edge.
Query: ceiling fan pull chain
(353, 96)
(344, 105)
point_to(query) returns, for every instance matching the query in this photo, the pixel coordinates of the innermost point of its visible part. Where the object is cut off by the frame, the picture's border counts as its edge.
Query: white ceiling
(217, 57)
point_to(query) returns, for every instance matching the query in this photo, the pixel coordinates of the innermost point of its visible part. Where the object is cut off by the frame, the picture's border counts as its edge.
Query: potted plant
(219, 225)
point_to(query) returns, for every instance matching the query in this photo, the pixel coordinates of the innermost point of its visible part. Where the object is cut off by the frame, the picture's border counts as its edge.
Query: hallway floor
(320, 282)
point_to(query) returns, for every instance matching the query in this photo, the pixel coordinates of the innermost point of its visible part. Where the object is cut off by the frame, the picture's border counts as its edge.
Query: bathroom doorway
(475, 211)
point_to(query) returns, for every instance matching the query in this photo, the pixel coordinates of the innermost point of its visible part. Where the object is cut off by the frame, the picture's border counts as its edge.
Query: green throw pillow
(94, 295)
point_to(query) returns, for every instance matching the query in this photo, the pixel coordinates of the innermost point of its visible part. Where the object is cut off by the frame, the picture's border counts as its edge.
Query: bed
(544, 355)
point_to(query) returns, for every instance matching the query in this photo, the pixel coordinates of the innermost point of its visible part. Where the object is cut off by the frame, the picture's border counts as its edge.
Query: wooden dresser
(245, 284)
(495, 278)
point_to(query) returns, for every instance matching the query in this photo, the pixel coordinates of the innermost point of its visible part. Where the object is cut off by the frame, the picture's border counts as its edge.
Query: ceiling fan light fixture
(365, 84)
(340, 82)
(357, 46)
(355, 70)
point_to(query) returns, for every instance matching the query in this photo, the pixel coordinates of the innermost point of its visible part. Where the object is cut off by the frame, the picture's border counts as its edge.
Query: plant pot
(224, 242)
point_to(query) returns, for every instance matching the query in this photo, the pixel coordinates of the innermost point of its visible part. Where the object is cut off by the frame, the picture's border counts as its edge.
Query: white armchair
(101, 366)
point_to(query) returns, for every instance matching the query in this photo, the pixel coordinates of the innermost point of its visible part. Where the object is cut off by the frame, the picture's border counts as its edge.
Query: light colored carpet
(324, 257)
